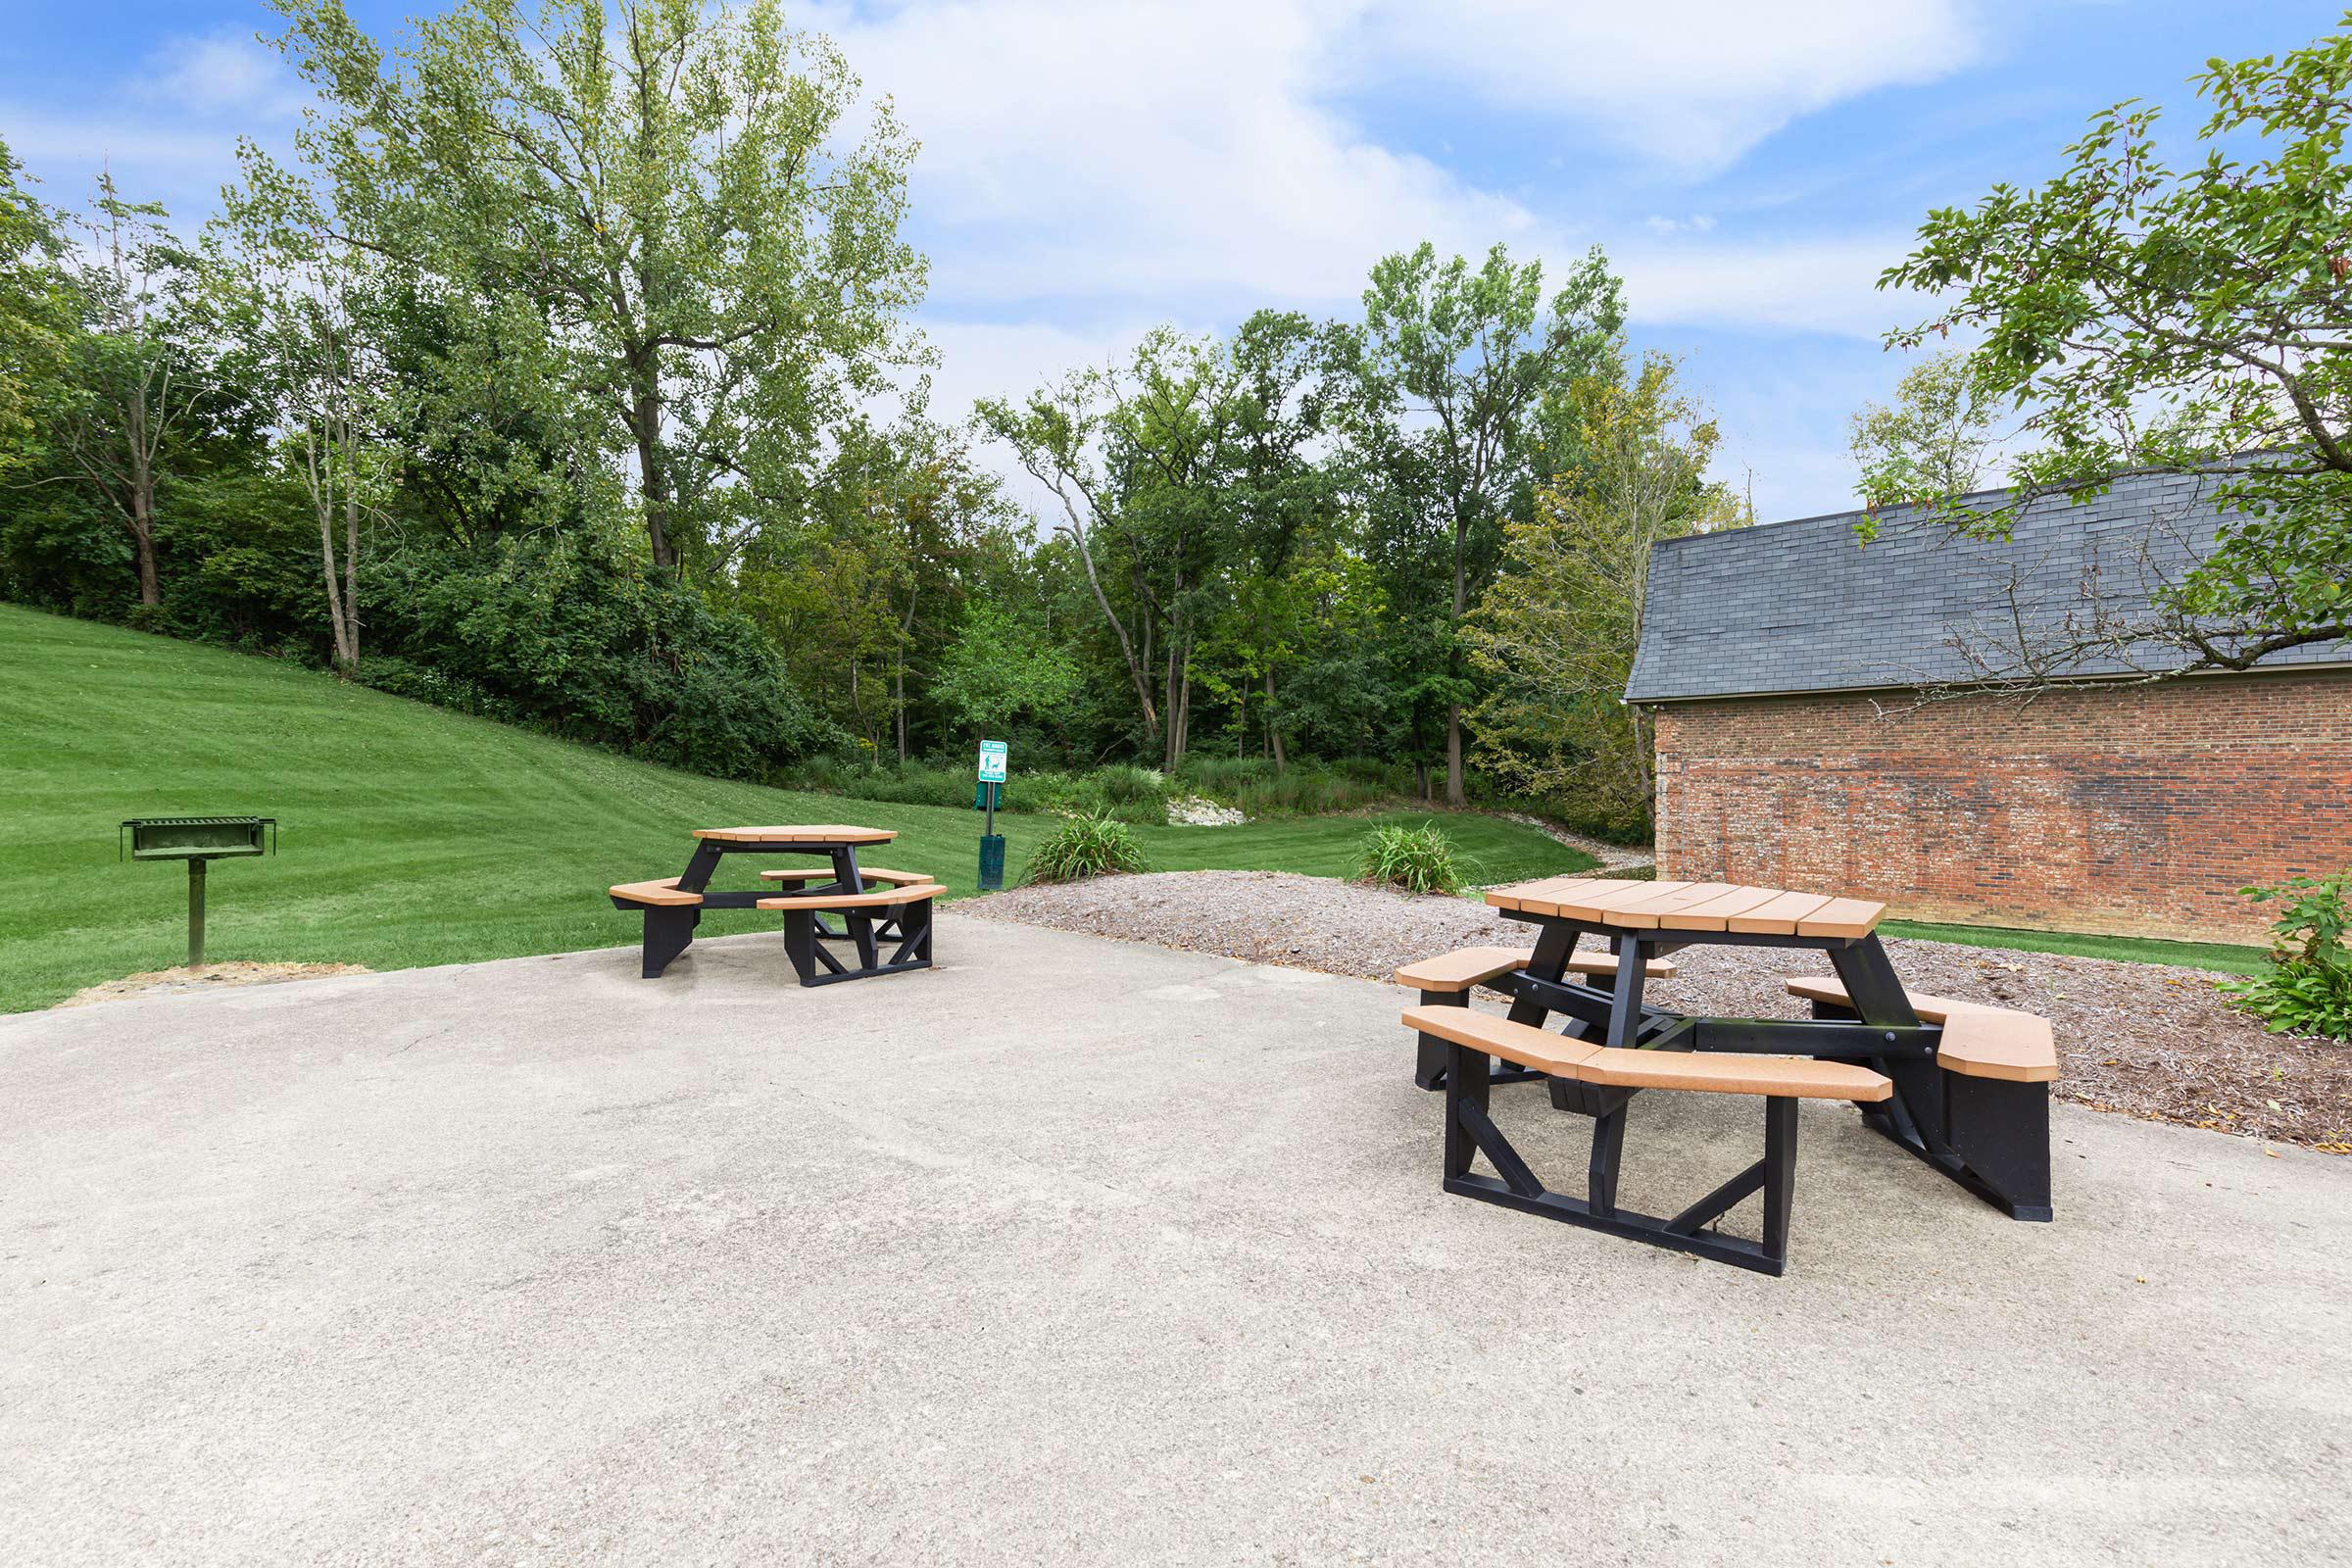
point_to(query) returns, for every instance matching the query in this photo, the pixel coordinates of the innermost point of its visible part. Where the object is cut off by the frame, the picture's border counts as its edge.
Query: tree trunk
(1273, 731)
(1135, 668)
(142, 502)
(351, 575)
(1167, 689)
(1184, 704)
(1453, 754)
(899, 686)
(653, 483)
(1453, 661)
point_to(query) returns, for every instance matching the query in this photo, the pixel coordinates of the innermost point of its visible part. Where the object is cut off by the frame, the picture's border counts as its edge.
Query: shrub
(1093, 844)
(1418, 859)
(2308, 988)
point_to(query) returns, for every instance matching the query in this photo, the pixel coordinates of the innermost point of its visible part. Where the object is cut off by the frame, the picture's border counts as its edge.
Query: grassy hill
(410, 835)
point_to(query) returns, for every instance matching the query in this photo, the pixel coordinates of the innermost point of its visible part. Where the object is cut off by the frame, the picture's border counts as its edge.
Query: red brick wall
(2133, 811)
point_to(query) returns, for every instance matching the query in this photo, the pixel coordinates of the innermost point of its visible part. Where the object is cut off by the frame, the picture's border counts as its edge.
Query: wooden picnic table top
(805, 833)
(1664, 907)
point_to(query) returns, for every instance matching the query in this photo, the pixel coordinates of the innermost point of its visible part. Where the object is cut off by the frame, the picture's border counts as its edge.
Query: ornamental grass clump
(1418, 859)
(1088, 845)
(2308, 988)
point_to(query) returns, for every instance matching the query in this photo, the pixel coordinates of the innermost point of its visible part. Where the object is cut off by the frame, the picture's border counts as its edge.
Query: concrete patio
(1075, 1251)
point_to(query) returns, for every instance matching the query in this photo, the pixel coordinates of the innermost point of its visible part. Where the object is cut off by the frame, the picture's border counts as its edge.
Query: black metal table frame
(669, 929)
(1989, 1134)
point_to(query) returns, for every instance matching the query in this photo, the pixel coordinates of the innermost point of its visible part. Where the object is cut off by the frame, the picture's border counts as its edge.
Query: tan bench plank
(1474, 966)
(663, 894)
(1717, 1072)
(1931, 1009)
(1462, 968)
(867, 873)
(1708, 1071)
(2017, 1047)
(1841, 917)
(853, 900)
(805, 833)
(1778, 916)
(1716, 912)
(1521, 1042)
(1979, 1041)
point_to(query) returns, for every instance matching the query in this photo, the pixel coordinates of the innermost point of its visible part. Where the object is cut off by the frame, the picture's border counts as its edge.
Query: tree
(304, 300)
(1004, 667)
(664, 183)
(1931, 444)
(2194, 321)
(35, 315)
(1557, 631)
(1134, 452)
(1448, 372)
(130, 384)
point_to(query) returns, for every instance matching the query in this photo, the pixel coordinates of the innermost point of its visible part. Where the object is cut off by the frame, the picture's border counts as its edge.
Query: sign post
(991, 842)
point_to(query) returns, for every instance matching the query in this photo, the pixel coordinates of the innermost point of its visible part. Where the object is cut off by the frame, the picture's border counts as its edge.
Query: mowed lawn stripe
(411, 835)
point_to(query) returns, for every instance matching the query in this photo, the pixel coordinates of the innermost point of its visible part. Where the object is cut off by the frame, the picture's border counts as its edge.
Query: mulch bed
(2152, 1041)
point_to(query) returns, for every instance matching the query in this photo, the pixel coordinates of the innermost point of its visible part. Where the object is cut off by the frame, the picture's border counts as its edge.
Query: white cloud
(226, 75)
(1148, 151)
(1154, 159)
(1691, 83)
(1825, 286)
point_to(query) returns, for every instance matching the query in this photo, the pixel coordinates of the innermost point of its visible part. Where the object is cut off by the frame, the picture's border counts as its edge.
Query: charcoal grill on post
(199, 841)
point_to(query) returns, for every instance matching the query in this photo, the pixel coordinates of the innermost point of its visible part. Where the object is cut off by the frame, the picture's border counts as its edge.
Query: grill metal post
(196, 912)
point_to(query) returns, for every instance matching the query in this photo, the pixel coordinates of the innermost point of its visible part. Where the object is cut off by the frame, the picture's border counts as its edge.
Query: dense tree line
(565, 373)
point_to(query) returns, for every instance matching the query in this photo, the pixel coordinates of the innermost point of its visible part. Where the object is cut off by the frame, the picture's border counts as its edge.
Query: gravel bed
(2152, 1041)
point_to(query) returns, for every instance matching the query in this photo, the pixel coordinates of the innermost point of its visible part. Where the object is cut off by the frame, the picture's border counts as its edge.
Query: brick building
(1825, 720)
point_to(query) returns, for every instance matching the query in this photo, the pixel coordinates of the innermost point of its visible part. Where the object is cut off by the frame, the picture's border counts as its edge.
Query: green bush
(2308, 988)
(572, 633)
(1082, 846)
(1418, 859)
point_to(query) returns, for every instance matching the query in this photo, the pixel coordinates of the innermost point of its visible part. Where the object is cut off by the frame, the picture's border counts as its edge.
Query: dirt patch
(2153, 1041)
(185, 980)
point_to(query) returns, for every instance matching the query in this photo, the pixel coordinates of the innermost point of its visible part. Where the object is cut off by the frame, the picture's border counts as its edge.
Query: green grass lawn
(408, 835)
(2221, 955)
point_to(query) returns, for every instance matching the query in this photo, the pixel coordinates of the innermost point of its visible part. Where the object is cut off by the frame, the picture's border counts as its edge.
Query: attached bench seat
(1447, 980)
(670, 917)
(899, 913)
(865, 874)
(878, 898)
(662, 895)
(1469, 967)
(1979, 1040)
(1714, 1072)
(1472, 1038)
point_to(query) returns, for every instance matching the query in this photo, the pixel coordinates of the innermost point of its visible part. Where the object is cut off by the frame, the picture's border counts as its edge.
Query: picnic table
(874, 904)
(1950, 1107)
(1961, 1086)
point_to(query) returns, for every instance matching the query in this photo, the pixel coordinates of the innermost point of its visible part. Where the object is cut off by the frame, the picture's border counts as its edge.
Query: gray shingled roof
(1801, 607)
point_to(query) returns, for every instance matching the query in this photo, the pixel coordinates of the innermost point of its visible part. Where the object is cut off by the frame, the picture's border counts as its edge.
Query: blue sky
(1090, 169)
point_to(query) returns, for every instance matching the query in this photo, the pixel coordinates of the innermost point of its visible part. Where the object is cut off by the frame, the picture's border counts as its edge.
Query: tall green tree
(1448, 373)
(2145, 317)
(670, 186)
(133, 380)
(36, 314)
(1556, 631)
(309, 307)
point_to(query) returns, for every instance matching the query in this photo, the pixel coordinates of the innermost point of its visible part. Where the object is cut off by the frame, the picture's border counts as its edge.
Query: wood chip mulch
(2151, 1040)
